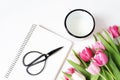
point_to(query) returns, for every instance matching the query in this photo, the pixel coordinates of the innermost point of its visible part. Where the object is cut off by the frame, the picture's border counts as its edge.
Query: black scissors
(37, 60)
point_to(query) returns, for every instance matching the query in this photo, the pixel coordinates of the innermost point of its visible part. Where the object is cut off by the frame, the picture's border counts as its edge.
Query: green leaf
(95, 38)
(94, 77)
(80, 69)
(75, 53)
(114, 68)
(113, 53)
(82, 62)
(118, 46)
(68, 75)
(111, 41)
(106, 74)
(105, 43)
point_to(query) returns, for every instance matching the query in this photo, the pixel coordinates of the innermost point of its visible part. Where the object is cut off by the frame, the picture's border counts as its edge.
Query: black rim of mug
(74, 34)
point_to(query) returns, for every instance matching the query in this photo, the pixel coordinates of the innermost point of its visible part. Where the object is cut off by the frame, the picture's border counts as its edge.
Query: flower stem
(84, 63)
(102, 76)
(118, 41)
(110, 71)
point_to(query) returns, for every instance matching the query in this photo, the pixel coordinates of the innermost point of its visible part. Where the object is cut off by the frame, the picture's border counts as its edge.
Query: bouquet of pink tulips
(101, 61)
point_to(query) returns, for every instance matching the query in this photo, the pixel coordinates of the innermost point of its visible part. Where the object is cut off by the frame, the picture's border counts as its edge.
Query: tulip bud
(114, 31)
(93, 69)
(100, 59)
(70, 70)
(66, 78)
(98, 45)
(86, 54)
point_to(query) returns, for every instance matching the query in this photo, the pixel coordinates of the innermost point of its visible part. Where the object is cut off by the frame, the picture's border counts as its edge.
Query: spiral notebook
(43, 40)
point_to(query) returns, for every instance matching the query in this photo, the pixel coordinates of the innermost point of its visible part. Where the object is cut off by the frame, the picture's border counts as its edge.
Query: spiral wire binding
(20, 50)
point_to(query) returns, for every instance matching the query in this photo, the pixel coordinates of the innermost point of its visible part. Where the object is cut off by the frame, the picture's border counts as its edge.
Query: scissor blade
(54, 51)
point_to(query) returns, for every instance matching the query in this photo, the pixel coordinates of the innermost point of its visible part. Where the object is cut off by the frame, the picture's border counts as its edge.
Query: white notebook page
(42, 40)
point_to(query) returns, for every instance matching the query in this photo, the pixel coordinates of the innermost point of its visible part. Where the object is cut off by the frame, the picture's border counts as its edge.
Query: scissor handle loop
(35, 73)
(34, 62)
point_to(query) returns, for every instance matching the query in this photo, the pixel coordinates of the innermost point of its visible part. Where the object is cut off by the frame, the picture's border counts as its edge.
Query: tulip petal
(70, 70)
(114, 31)
(86, 54)
(93, 69)
(100, 59)
(98, 45)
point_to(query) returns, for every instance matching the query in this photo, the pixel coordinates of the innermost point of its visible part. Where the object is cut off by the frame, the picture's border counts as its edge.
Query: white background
(17, 16)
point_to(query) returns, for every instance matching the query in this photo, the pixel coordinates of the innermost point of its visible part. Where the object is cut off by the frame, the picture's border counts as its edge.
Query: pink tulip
(114, 31)
(93, 69)
(70, 71)
(66, 78)
(100, 59)
(86, 54)
(98, 45)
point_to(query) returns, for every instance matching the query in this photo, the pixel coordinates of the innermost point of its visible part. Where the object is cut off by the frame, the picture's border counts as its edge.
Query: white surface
(16, 17)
